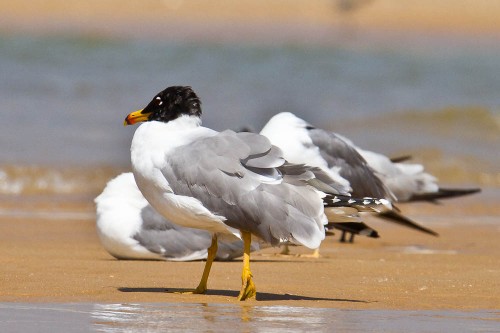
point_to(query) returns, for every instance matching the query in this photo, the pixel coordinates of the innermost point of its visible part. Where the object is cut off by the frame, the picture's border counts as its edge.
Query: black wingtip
(444, 193)
(398, 218)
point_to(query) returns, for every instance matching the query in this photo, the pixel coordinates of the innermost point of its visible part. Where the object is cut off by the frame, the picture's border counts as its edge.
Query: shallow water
(71, 94)
(185, 317)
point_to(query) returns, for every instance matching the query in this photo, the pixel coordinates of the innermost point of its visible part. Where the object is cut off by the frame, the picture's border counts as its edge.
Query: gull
(301, 142)
(233, 185)
(408, 181)
(129, 228)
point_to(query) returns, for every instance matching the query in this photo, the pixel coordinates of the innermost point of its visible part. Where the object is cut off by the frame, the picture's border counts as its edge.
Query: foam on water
(49, 180)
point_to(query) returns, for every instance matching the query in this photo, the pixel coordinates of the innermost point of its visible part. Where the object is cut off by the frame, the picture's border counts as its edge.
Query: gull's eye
(159, 101)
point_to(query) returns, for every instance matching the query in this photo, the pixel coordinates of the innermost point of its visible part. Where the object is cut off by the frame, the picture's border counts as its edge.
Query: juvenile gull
(129, 228)
(231, 184)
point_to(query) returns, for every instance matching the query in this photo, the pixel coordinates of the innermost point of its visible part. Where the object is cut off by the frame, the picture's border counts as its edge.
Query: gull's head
(284, 123)
(167, 105)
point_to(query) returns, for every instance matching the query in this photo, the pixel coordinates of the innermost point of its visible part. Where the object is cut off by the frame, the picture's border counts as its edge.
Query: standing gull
(129, 228)
(230, 184)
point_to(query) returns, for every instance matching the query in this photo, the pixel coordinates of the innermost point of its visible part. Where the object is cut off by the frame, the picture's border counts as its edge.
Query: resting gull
(129, 228)
(408, 181)
(231, 184)
(303, 143)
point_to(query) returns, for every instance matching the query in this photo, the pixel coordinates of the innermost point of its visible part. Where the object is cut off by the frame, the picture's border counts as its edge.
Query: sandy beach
(50, 252)
(61, 260)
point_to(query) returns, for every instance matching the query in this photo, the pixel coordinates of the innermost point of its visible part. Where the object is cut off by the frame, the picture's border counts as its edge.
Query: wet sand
(60, 259)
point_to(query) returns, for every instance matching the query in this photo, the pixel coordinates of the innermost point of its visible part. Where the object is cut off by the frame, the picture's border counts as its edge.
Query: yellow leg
(247, 286)
(314, 255)
(285, 250)
(212, 251)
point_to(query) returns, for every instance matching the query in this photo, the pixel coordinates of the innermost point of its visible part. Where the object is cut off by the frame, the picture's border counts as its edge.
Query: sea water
(64, 98)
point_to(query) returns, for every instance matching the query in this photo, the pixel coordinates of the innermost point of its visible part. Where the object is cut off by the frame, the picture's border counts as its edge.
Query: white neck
(156, 135)
(153, 140)
(184, 122)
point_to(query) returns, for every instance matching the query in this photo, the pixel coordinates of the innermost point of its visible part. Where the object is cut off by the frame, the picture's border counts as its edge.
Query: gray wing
(174, 242)
(171, 241)
(353, 167)
(237, 175)
(314, 176)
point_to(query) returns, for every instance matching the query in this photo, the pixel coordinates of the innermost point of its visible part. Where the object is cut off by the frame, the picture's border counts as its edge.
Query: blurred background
(396, 76)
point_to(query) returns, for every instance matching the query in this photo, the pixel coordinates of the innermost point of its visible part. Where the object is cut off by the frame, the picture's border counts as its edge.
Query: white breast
(152, 143)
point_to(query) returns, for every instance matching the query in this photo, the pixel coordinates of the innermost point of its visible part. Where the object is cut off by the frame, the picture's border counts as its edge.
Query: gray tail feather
(444, 193)
(398, 218)
(366, 204)
(357, 228)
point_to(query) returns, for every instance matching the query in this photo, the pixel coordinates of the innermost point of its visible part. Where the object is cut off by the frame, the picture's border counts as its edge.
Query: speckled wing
(237, 175)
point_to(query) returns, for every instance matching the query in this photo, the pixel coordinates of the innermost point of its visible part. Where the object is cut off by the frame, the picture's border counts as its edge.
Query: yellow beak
(135, 117)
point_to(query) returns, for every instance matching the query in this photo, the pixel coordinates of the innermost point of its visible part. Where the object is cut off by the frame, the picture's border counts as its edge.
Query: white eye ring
(159, 99)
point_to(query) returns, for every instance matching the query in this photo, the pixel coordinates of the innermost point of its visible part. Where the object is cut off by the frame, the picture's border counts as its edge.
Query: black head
(168, 105)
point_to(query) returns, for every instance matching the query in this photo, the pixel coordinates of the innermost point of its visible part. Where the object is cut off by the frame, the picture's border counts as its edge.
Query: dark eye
(159, 101)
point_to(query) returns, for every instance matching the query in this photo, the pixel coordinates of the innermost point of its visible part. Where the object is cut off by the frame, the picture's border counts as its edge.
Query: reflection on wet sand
(218, 317)
(226, 317)
(177, 317)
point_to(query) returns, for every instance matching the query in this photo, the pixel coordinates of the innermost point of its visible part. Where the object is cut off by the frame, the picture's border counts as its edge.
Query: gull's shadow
(230, 293)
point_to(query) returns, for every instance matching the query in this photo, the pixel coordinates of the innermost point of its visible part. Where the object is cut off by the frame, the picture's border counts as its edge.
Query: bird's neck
(184, 123)
(158, 138)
